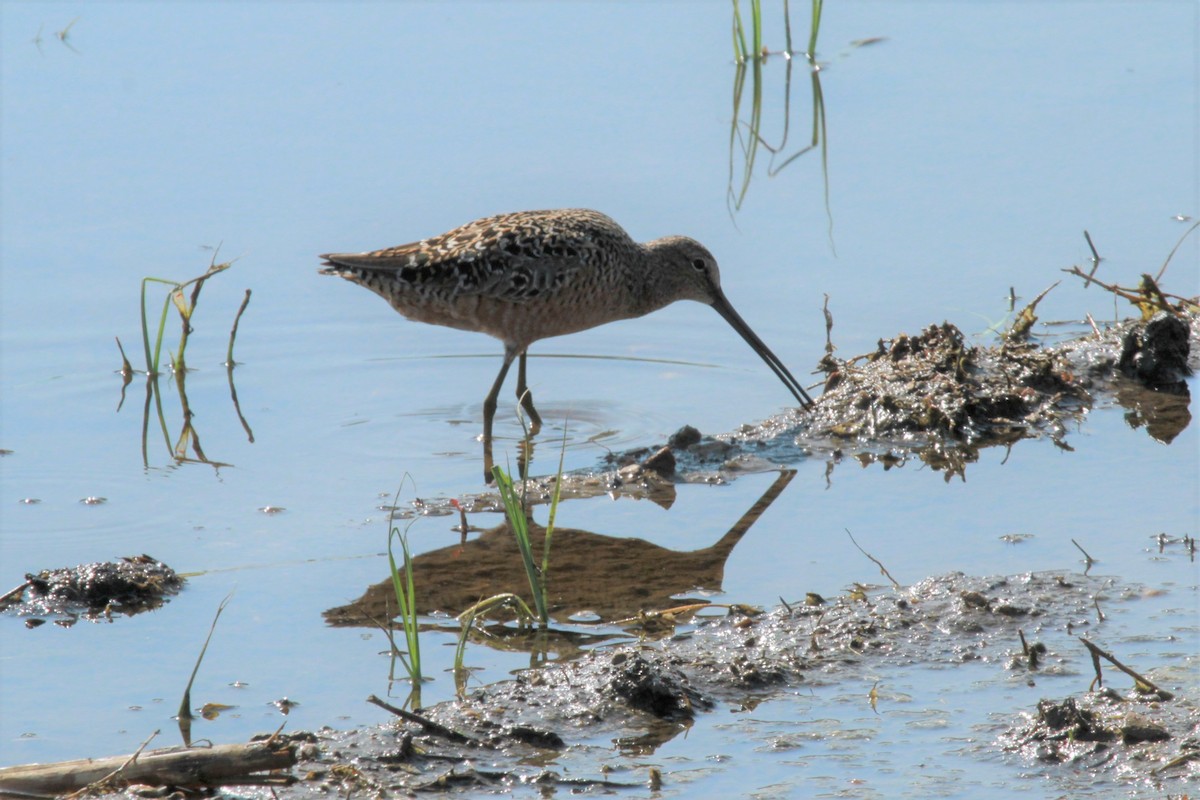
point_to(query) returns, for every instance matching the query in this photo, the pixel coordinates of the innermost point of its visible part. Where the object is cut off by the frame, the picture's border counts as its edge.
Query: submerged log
(171, 766)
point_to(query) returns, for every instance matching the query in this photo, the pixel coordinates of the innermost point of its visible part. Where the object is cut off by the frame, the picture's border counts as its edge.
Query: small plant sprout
(516, 509)
(185, 306)
(406, 594)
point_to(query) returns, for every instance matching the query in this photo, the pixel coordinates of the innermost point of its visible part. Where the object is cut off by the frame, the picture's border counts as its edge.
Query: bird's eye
(699, 264)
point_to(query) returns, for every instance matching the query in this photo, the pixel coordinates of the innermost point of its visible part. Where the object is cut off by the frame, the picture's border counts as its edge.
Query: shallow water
(966, 153)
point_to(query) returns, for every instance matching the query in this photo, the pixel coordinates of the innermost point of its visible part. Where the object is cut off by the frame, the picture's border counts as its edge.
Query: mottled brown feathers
(514, 256)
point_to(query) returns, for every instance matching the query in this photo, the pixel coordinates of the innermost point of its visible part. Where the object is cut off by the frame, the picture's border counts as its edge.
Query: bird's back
(519, 277)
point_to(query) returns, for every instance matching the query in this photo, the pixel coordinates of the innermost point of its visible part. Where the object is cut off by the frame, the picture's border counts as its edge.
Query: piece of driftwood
(171, 766)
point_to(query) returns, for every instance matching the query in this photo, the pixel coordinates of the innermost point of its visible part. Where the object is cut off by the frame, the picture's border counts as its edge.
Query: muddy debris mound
(1156, 353)
(931, 397)
(936, 397)
(935, 385)
(100, 590)
(1103, 726)
(640, 695)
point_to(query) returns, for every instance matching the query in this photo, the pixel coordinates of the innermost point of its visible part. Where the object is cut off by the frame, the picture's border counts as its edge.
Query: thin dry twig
(882, 568)
(1190, 755)
(1129, 295)
(1095, 259)
(828, 326)
(1170, 255)
(1114, 288)
(97, 786)
(1142, 681)
(274, 737)
(1089, 561)
(1091, 246)
(427, 725)
(14, 595)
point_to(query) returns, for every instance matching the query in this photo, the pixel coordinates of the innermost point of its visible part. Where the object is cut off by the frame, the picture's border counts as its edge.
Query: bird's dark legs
(489, 412)
(526, 398)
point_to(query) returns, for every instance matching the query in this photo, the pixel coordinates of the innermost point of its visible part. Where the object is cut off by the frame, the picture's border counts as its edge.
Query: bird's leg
(526, 398)
(489, 412)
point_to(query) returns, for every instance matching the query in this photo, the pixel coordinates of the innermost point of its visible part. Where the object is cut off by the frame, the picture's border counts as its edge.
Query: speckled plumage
(518, 277)
(531, 275)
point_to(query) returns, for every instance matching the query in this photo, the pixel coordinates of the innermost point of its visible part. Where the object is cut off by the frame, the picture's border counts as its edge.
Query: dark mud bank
(641, 695)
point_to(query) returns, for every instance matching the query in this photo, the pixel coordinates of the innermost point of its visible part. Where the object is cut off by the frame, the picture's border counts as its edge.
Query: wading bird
(531, 275)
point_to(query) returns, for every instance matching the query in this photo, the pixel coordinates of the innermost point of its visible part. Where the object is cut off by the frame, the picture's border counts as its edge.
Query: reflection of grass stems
(153, 393)
(750, 139)
(406, 596)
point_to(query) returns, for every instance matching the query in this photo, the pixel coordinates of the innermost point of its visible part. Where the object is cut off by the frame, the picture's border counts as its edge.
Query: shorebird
(531, 275)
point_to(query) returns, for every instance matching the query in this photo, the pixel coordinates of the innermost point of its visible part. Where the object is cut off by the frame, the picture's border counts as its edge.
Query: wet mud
(645, 693)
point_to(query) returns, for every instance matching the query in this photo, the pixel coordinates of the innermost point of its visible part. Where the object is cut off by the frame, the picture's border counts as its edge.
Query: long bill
(735, 321)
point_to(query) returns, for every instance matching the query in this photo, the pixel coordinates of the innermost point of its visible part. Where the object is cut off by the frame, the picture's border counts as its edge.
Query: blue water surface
(963, 153)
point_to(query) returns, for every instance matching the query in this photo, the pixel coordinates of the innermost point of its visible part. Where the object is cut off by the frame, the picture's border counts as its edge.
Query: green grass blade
(404, 588)
(514, 509)
(406, 597)
(787, 28)
(562, 452)
(162, 327)
(816, 27)
(146, 330)
(185, 704)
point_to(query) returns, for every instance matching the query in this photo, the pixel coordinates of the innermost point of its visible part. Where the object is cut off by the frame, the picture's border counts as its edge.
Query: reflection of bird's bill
(738, 324)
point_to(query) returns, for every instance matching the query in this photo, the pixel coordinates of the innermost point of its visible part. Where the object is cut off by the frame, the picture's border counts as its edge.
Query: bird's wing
(511, 256)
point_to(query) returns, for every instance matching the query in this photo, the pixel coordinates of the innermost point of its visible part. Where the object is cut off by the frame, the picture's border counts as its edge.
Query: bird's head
(683, 269)
(686, 267)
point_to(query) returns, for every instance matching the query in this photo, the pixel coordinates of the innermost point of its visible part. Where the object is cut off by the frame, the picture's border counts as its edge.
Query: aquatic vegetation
(406, 598)
(518, 520)
(186, 307)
